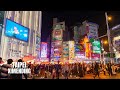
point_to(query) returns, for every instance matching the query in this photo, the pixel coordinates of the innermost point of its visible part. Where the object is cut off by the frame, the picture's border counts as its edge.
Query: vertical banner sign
(96, 47)
(71, 50)
(57, 39)
(43, 50)
(65, 51)
(38, 46)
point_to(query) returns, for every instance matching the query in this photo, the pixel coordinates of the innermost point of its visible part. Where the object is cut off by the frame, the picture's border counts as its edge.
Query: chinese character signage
(43, 50)
(96, 47)
(71, 50)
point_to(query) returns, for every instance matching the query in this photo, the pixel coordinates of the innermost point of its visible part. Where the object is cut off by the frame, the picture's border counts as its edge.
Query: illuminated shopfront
(115, 33)
(116, 44)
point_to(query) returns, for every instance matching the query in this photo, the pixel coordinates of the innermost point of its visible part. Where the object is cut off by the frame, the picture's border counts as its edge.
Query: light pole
(103, 51)
(108, 33)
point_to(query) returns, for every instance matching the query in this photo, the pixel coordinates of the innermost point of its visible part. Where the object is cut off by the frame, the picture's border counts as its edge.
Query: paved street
(90, 76)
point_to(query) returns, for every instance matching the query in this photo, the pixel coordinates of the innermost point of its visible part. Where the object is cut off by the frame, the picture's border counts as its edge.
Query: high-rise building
(14, 48)
(57, 41)
(81, 32)
(90, 29)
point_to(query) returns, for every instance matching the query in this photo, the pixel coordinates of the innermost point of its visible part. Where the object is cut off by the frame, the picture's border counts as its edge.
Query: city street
(90, 76)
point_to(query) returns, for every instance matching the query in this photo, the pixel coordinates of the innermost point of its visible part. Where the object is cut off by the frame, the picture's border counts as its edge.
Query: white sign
(19, 68)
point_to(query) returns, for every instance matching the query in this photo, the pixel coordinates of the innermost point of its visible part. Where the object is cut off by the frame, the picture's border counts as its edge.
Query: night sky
(73, 17)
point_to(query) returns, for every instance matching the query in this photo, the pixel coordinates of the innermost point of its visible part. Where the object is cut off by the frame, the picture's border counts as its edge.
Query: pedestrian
(66, 69)
(109, 69)
(96, 69)
(113, 69)
(1, 61)
(30, 65)
(53, 73)
(4, 69)
(80, 71)
(75, 70)
(84, 69)
(104, 69)
(57, 71)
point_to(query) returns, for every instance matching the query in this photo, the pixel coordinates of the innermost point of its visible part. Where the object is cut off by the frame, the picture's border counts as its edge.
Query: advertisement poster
(43, 50)
(57, 34)
(95, 56)
(96, 47)
(88, 49)
(37, 43)
(80, 55)
(65, 51)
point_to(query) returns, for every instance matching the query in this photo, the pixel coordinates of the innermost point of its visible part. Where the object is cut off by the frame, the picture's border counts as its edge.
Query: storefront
(115, 33)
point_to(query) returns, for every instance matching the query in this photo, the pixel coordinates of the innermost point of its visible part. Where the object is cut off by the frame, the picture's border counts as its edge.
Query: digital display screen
(17, 31)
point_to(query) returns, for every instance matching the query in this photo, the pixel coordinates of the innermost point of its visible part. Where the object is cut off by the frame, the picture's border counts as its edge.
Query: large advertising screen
(17, 31)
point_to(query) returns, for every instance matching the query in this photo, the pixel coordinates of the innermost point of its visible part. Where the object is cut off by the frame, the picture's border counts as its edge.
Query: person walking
(4, 70)
(109, 69)
(96, 69)
(53, 73)
(66, 68)
(80, 70)
(84, 69)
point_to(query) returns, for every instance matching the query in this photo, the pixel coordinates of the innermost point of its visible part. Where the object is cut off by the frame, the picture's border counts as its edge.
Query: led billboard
(17, 31)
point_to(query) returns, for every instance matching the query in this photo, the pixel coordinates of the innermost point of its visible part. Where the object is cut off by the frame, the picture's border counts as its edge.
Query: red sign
(95, 55)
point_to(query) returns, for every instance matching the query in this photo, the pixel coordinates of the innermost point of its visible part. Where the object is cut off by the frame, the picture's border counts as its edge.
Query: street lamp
(108, 32)
(109, 18)
(105, 42)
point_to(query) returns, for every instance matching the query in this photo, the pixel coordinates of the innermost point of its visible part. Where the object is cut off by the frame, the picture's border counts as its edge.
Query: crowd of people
(55, 71)
(72, 70)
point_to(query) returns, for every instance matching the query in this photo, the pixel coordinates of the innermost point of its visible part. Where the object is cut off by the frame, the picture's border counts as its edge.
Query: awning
(28, 58)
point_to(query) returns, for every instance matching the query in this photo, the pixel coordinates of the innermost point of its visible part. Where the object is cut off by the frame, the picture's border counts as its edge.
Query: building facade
(60, 37)
(13, 48)
(115, 39)
(83, 33)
